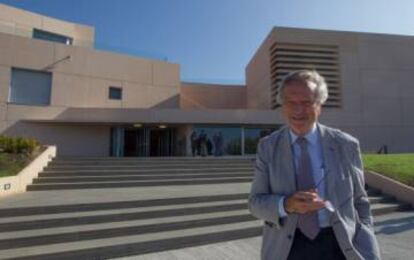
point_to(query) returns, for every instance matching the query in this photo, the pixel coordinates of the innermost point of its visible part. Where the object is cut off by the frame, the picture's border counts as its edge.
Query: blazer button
(289, 236)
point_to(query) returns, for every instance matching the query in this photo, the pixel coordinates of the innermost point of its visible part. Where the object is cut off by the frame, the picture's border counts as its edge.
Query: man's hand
(303, 202)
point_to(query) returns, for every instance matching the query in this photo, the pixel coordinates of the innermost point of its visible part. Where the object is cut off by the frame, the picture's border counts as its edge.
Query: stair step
(140, 173)
(373, 192)
(102, 225)
(381, 199)
(34, 213)
(117, 217)
(149, 163)
(154, 166)
(104, 185)
(137, 244)
(158, 158)
(117, 205)
(53, 179)
(385, 208)
(129, 230)
(47, 171)
(137, 161)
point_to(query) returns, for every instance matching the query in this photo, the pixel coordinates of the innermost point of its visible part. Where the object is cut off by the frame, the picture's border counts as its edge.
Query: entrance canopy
(153, 115)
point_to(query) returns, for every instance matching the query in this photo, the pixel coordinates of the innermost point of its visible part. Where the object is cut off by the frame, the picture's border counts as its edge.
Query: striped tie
(307, 223)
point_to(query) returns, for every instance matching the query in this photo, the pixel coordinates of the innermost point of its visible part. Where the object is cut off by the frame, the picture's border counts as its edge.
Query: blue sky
(213, 40)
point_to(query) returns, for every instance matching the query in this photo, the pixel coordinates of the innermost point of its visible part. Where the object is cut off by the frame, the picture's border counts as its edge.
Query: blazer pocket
(365, 242)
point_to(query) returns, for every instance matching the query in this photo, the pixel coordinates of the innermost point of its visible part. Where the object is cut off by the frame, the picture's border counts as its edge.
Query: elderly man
(309, 184)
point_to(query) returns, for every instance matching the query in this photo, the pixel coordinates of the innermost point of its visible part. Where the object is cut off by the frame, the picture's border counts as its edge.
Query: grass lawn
(399, 167)
(11, 164)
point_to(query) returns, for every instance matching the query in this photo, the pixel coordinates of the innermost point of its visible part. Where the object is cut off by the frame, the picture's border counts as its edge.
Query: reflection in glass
(220, 141)
(252, 137)
(217, 141)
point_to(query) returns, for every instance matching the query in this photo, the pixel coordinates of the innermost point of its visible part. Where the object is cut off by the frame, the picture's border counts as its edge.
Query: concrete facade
(376, 89)
(21, 23)
(373, 96)
(202, 96)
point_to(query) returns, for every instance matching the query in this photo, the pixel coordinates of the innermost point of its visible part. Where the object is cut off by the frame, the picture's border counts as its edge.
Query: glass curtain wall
(218, 141)
(252, 137)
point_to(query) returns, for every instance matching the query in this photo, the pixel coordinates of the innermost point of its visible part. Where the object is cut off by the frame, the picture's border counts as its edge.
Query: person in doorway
(193, 140)
(309, 183)
(209, 146)
(218, 144)
(202, 139)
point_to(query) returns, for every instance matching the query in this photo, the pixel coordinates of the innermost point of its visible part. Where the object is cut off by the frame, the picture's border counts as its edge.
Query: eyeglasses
(328, 204)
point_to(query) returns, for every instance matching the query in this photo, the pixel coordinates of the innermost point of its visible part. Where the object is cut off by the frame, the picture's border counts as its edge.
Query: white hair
(311, 79)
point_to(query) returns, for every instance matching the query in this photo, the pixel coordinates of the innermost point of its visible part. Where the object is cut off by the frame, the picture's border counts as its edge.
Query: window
(29, 87)
(115, 93)
(53, 37)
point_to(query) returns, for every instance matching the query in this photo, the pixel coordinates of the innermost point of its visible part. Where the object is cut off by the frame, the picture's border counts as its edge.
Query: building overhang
(150, 116)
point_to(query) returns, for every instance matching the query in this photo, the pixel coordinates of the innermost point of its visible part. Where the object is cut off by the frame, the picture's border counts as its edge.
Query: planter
(17, 184)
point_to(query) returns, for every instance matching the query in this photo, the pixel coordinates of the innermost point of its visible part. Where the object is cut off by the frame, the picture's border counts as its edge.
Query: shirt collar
(311, 136)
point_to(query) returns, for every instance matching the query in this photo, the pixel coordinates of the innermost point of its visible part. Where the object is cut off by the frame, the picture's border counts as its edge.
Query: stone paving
(395, 233)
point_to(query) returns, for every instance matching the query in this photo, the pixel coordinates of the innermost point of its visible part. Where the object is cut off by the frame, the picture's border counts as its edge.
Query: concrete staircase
(100, 208)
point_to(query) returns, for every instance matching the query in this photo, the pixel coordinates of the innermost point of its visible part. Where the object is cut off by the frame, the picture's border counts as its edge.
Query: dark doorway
(131, 142)
(142, 142)
(161, 142)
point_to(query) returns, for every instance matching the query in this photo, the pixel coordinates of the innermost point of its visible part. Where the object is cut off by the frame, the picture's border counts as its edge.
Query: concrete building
(54, 86)
(369, 80)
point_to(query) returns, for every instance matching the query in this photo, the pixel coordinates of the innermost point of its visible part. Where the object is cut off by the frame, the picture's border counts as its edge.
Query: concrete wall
(212, 96)
(377, 90)
(81, 81)
(19, 22)
(70, 139)
(258, 80)
(84, 79)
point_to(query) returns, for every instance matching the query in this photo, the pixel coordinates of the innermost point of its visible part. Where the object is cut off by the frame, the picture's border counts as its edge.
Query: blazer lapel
(330, 159)
(284, 162)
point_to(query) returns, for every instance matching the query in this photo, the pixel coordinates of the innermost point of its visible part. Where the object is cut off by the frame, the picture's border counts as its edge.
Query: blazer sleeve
(262, 203)
(364, 239)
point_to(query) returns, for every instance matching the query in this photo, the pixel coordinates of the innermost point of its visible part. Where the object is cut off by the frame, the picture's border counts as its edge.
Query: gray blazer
(344, 183)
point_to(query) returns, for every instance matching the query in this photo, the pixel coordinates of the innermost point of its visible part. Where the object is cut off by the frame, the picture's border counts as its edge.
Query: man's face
(299, 108)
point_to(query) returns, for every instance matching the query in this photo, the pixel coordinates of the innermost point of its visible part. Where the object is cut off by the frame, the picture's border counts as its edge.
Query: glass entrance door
(142, 142)
(161, 142)
(136, 142)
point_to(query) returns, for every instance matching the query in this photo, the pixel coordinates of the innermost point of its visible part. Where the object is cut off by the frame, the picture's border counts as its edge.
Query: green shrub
(17, 145)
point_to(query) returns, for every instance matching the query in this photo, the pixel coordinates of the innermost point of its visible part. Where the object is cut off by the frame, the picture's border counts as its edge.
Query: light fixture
(162, 126)
(137, 125)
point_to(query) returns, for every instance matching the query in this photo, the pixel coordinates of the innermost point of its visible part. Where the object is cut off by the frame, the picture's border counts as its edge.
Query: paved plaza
(395, 233)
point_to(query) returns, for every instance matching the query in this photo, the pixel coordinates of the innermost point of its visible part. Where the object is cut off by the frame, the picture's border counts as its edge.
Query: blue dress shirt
(316, 156)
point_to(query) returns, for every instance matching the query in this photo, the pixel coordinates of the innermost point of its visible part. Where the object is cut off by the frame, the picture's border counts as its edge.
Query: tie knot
(302, 142)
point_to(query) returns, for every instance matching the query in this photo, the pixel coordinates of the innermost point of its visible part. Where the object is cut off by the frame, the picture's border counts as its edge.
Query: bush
(17, 145)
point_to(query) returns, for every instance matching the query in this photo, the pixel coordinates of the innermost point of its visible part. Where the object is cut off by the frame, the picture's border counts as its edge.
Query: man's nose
(298, 109)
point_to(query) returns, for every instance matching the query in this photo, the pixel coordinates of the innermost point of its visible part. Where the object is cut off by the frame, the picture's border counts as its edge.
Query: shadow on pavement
(393, 226)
